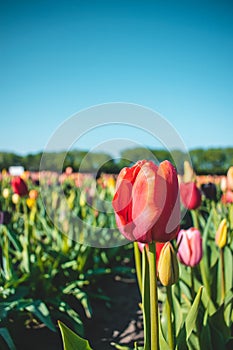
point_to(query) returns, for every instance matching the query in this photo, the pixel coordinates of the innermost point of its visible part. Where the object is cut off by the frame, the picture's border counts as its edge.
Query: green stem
(203, 262)
(138, 265)
(146, 299)
(169, 309)
(154, 317)
(195, 219)
(223, 291)
(192, 282)
(6, 258)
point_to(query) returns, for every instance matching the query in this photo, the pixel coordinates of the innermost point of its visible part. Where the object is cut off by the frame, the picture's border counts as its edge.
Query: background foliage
(213, 161)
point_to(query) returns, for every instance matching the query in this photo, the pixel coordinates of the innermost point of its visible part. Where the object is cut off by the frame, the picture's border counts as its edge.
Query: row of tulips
(190, 307)
(185, 276)
(42, 270)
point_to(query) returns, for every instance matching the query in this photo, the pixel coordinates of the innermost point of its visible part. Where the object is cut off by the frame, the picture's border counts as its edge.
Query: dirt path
(120, 321)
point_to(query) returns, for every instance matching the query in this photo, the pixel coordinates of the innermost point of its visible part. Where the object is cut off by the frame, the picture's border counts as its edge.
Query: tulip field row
(59, 233)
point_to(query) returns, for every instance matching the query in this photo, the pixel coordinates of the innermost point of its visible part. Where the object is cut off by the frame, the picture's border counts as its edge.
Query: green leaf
(40, 310)
(206, 230)
(120, 347)
(14, 240)
(162, 341)
(192, 315)
(205, 338)
(228, 307)
(72, 341)
(181, 340)
(177, 313)
(4, 333)
(217, 321)
(228, 264)
(64, 307)
(208, 303)
(217, 338)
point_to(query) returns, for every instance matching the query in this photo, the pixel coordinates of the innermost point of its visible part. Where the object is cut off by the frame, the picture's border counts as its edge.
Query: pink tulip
(190, 195)
(227, 197)
(190, 246)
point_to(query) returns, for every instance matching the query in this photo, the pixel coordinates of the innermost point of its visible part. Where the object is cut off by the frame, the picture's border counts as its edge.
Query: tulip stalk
(223, 291)
(195, 219)
(203, 267)
(154, 316)
(169, 309)
(138, 265)
(146, 299)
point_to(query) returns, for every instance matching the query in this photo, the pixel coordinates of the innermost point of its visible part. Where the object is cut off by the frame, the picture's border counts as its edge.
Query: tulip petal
(167, 199)
(122, 201)
(184, 247)
(195, 243)
(144, 208)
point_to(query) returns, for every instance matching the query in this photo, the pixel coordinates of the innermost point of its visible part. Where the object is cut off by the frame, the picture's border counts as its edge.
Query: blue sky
(59, 57)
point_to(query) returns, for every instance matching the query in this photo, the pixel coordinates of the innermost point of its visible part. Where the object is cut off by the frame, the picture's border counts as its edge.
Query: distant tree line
(204, 161)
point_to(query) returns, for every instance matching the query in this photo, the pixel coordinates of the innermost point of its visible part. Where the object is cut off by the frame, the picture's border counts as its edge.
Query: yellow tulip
(5, 193)
(221, 234)
(168, 269)
(30, 202)
(15, 198)
(82, 199)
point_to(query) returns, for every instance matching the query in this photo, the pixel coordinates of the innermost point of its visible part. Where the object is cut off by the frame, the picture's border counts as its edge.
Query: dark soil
(118, 320)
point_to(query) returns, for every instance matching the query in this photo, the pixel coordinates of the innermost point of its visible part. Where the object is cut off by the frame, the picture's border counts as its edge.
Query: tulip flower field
(171, 234)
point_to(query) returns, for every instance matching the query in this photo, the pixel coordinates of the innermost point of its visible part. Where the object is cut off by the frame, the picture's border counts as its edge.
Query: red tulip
(190, 195)
(146, 202)
(190, 246)
(19, 186)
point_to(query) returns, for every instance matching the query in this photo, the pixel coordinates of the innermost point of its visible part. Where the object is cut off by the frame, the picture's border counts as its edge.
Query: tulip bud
(15, 198)
(19, 186)
(189, 174)
(230, 178)
(210, 191)
(33, 194)
(223, 184)
(69, 170)
(5, 193)
(190, 195)
(190, 246)
(221, 234)
(168, 269)
(82, 199)
(227, 197)
(4, 172)
(30, 202)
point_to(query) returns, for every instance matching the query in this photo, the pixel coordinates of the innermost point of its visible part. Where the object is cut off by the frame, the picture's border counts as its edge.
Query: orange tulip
(230, 178)
(146, 202)
(33, 194)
